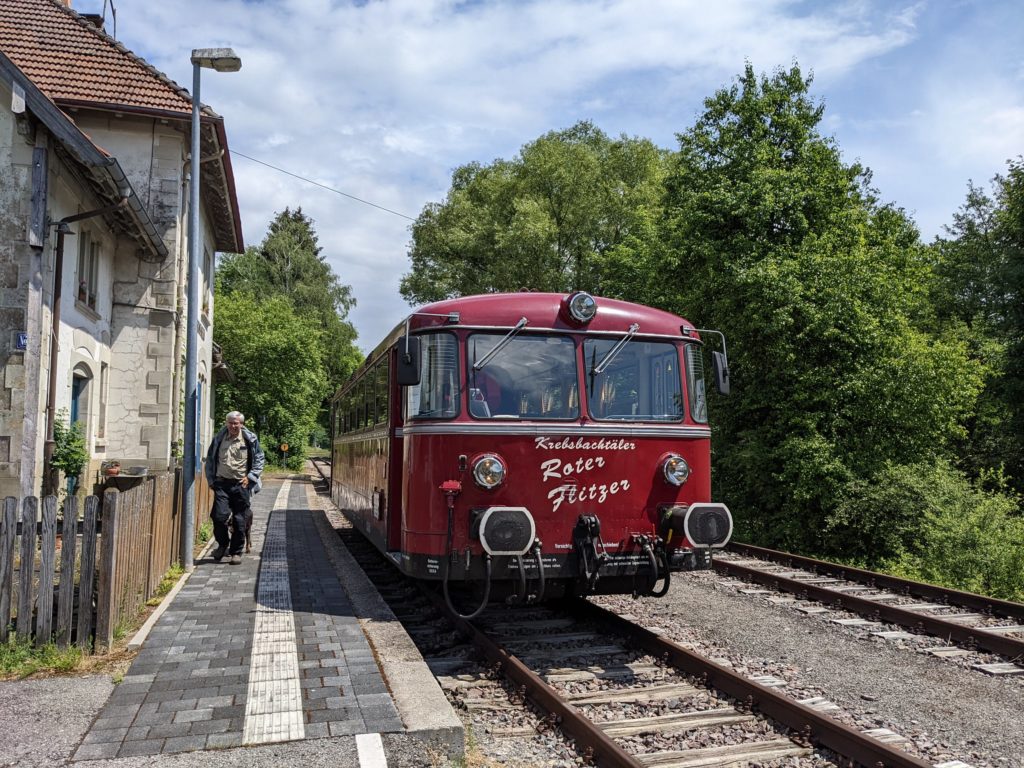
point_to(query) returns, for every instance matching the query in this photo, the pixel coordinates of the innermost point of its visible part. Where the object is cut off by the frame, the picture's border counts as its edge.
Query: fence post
(106, 602)
(8, 533)
(88, 575)
(66, 598)
(47, 561)
(154, 520)
(29, 512)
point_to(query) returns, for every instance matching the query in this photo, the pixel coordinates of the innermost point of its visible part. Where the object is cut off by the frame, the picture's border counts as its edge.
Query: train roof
(545, 310)
(542, 311)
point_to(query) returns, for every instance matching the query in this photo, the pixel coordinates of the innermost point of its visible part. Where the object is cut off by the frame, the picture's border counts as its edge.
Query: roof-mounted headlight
(489, 471)
(581, 307)
(675, 469)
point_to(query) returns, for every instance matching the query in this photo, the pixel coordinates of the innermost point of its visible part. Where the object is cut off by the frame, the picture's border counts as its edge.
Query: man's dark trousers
(230, 504)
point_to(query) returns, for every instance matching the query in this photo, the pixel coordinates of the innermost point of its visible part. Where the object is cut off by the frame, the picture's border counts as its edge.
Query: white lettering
(579, 444)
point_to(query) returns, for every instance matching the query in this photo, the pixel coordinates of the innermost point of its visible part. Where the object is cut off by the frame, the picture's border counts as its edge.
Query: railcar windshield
(530, 377)
(437, 394)
(642, 383)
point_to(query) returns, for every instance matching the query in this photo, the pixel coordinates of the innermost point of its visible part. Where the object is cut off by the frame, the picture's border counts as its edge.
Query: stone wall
(15, 194)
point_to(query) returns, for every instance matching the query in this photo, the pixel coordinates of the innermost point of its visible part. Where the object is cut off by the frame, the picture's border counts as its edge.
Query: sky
(382, 100)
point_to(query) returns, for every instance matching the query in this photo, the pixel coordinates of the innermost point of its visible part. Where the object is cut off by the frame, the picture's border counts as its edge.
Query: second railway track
(974, 621)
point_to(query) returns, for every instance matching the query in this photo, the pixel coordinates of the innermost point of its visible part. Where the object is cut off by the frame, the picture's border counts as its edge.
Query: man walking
(234, 464)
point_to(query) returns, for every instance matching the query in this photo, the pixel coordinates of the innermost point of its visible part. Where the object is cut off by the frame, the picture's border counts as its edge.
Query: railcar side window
(531, 377)
(437, 394)
(643, 383)
(382, 391)
(695, 384)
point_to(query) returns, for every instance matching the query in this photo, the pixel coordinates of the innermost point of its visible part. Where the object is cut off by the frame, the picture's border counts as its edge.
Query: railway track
(973, 621)
(623, 694)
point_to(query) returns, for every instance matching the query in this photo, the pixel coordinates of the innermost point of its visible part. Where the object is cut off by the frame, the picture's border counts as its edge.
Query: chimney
(93, 18)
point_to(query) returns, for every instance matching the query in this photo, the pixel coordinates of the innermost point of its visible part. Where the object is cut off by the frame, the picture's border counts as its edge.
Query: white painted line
(371, 751)
(273, 708)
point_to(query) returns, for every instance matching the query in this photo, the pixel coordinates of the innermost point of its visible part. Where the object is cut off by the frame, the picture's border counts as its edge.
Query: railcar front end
(545, 445)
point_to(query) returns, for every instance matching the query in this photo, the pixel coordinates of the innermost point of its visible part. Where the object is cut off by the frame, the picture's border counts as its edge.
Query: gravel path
(949, 712)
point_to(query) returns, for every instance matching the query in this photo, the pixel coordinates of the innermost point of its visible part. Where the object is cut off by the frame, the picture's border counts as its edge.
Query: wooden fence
(81, 577)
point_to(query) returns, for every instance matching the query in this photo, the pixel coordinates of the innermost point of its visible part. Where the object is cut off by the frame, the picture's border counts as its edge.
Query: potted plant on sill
(112, 468)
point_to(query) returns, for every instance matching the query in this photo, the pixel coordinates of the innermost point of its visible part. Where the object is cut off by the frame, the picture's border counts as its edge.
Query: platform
(292, 644)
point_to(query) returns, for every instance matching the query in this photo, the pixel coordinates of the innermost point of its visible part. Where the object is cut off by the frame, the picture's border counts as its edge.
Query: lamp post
(221, 60)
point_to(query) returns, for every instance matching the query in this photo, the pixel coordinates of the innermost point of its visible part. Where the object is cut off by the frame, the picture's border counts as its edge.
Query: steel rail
(804, 721)
(601, 749)
(978, 638)
(919, 588)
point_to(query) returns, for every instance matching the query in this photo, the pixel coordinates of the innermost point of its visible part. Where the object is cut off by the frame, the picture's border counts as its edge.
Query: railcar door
(393, 496)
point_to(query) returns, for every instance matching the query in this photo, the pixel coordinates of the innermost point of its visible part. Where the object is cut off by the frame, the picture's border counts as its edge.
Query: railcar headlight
(582, 307)
(489, 471)
(675, 468)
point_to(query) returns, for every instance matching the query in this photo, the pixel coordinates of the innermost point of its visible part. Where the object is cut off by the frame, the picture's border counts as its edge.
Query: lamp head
(220, 59)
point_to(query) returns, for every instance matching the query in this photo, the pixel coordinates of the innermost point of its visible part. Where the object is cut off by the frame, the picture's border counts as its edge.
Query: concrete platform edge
(424, 709)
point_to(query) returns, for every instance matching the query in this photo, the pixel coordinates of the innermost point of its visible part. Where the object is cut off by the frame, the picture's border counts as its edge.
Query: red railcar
(534, 444)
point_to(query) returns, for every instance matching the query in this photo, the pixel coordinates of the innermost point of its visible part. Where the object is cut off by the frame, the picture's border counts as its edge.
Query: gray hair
(234, 415)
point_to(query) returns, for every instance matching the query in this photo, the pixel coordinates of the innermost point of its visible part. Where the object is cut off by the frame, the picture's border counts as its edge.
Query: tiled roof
(71, 60)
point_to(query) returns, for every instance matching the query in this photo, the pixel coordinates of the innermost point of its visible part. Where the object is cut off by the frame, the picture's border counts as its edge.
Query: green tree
(978, 293)
(290, 263)
(818, 286)
(280, 377)
(572, 205)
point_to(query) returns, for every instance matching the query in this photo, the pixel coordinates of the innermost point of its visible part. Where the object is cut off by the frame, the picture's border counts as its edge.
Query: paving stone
(189, 685)
(346, 727)
(185, 743)
(97, 751)
(137, 748)
(104, 735)
(223, 740)
(168, 730)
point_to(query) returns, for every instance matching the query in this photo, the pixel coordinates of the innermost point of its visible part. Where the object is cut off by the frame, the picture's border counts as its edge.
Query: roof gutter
(83, 150)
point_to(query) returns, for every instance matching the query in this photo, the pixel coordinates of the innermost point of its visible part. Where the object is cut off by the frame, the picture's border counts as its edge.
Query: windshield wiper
(497, 347)
(607, 359)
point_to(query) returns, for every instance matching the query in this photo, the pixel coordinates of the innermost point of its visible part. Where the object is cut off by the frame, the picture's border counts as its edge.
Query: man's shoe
(236, 559)
(218, 554)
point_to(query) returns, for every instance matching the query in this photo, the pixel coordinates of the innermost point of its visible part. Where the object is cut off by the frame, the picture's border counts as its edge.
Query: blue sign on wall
(22, 342)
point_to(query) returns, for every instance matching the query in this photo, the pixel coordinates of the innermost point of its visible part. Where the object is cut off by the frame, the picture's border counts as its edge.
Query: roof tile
(69, 59)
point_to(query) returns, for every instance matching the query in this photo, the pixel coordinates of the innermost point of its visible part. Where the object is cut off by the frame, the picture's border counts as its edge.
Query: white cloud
(382, 100)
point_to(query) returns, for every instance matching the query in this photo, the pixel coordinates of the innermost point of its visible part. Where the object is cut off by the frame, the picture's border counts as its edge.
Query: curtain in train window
(530, 377)
(641, 382)
(437, 394)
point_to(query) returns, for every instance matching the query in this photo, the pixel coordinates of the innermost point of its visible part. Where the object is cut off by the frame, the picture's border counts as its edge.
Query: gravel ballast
(946, 710)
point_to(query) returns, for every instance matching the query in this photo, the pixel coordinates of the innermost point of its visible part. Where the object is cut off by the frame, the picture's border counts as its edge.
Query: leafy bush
(929, 522)
(70, 454)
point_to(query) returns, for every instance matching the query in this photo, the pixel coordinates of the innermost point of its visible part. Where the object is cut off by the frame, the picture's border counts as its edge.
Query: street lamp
(221, 60)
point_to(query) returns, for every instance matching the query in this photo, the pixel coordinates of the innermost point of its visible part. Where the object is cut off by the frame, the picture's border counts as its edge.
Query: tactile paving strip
(273, 710)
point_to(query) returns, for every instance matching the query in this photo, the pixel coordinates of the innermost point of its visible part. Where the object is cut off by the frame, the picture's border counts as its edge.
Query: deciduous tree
(570, 205)
(818, 287)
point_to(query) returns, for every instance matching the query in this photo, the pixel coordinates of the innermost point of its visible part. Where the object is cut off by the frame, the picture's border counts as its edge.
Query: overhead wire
(322, 186)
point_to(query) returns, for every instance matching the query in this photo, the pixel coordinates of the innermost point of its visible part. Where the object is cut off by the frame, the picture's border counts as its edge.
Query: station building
(94, 191)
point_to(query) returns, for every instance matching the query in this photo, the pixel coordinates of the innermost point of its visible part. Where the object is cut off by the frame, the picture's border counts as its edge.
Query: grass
(20, 658)
(167, 582)
(205, 532)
